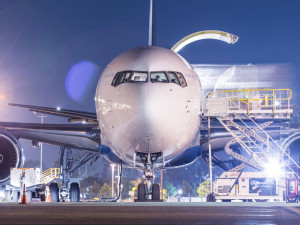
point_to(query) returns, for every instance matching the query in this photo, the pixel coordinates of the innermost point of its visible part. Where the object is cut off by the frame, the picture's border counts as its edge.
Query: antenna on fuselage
(151, 38)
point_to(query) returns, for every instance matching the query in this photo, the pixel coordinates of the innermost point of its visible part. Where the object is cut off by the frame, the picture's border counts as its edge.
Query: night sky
(52, 52)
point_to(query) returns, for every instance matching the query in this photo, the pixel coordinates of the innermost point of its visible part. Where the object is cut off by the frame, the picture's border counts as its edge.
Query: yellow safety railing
(49, 175)
(263, 98)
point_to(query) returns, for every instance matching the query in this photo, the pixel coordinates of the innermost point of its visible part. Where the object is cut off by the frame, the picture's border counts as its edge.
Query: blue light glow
(79, 78)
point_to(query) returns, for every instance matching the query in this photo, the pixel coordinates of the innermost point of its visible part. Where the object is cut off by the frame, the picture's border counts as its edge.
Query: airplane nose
(156, 110)
(150, 119)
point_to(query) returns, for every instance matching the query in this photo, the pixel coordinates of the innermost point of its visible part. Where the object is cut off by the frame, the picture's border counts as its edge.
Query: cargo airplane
(148, 115)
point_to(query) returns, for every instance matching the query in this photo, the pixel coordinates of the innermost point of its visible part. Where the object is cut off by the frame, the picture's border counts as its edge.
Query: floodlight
(2, 194)
(273, 168)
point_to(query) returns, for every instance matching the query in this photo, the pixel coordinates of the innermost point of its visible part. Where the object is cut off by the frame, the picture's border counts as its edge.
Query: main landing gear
(69, 191)
(149, 192)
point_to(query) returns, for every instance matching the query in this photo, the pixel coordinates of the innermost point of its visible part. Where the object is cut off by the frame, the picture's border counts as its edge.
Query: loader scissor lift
(246, 115)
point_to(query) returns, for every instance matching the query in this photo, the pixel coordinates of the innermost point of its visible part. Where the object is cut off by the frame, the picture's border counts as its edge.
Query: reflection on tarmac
(150, 213)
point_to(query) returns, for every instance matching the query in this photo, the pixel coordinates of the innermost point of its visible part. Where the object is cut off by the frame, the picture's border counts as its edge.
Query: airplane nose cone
(150, 119)
(156, 110)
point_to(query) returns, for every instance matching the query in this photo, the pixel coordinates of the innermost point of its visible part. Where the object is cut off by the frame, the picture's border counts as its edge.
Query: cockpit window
(173, 78)
(181, 80)
(139, 77)
(125, 77)
(129, 76)
(158, 77)
(116, 78)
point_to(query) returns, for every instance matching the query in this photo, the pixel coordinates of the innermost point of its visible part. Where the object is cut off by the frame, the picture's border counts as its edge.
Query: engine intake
(10, 155)
(292, 145)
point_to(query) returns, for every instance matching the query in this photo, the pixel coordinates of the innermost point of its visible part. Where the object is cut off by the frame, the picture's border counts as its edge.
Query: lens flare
(79, 77)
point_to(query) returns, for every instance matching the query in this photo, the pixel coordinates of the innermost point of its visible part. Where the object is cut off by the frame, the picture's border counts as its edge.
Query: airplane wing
(74, 116)
(82, 136)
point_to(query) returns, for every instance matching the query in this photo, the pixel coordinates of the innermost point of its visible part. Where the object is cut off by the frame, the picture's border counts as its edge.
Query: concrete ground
(150, 213)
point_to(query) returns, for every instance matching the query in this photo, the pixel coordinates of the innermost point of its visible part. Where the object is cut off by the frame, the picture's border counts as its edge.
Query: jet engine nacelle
(292, 145)
(10, 155)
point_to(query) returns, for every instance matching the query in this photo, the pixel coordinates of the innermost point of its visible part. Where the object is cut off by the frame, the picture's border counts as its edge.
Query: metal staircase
(239, 110)
(49, 175)
(248, 141)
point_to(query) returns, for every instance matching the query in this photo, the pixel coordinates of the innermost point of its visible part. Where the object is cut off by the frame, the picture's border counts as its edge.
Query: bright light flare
(274, 168)
(2, 194)
(179, 191)
(58, 108)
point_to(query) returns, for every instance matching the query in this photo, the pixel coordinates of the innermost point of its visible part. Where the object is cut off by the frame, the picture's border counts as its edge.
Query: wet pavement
(150, 213)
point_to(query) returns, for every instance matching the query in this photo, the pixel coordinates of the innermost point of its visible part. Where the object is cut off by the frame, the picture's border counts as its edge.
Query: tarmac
(150, 213)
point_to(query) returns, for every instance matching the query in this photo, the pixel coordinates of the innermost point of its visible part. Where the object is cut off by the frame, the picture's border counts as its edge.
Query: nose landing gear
(149, 191)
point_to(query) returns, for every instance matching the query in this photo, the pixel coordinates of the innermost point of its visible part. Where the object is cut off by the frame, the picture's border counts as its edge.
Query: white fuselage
(148, 117)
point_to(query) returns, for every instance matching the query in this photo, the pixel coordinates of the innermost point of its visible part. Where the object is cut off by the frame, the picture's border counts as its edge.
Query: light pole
(161, 184)
(209, 155)
(118, 183)
(112, 179)
(42, 116)
(179, 193)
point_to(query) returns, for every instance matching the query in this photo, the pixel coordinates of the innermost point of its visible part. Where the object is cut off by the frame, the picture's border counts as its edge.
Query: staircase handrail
(283, 152)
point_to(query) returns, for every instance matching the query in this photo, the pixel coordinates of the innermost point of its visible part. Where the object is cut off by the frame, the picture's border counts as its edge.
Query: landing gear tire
(155, 192)
(141, 192)
(292, 199)
(54, 192)
(74, 192)
(43, 197)
(210, 198)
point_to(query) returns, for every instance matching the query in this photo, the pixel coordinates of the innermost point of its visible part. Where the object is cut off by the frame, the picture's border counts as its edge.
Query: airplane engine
(10, 155)
(292, 145)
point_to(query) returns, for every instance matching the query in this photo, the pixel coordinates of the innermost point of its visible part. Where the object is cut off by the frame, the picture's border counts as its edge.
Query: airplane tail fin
(151, 39)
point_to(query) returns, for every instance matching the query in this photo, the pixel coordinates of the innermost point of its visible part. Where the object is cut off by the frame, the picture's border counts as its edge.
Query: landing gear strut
(69, 191)
(65, 162)
(149, 191)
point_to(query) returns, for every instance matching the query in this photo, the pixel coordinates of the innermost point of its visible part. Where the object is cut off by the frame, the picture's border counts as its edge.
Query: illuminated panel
(207, 34)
